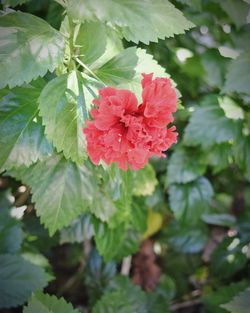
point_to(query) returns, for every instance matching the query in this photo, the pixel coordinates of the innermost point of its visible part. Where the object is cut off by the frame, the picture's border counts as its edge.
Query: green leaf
(92, 41)
(213, 300)
(18, 279)
(79, 230)
(107, 239)
(44, 303)
(145, 64)
(11, 234)
(122, 297)
(228, 259)
(240, 303)
(226, 220)
(98, 275)
(238, 75)
(231, 108)
(215, 66)
(219, 156)
(189, 201)
(22, 140)
(13, 3)
(120, 69)
(29, 47)
(236, 10)
(144, 181)
(209, 125)
(63, 109)
(159, 18)
(185, 239)
(184, 168)
(241, 153)
(61, 190)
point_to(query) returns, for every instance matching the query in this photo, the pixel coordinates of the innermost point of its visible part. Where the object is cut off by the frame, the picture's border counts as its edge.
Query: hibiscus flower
(128, 133)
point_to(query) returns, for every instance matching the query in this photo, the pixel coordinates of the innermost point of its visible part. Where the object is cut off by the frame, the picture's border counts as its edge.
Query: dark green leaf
(79, 230)
(214, 65)
(29, 48)
(189, 201)
(115, 243)
(236, 10)
(61, 190)
(240, 303)
(223, 294)
(18, 279)
(13, 3)
(183, 167)
(228, 258)
(219, 156)
(209, 125)
(22, 140)
(238, 75)
(185, 239)
(242, 154)
(227, 220)
(98, 275)
(122, 297)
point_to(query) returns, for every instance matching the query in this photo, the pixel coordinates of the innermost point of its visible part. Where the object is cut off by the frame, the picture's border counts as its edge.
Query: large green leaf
(29, 47)
(213, 300)
(61, 190)
(91, 41)
(183, 167)
(189, 201)
(67, 190)
(22, 140)
(137, 20)
(240, 303)
(18, 279)
(62, 106)
(44, 303)
(120, 69)
(238, 75)
(209, 125)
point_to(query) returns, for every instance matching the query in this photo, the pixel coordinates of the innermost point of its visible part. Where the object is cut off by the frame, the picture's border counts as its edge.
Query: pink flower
(127, 133)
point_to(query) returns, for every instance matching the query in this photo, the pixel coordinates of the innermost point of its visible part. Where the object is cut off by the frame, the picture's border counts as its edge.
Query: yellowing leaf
(155, 221)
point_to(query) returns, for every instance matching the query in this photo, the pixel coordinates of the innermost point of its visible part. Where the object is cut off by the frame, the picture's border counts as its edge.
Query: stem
(89, 70)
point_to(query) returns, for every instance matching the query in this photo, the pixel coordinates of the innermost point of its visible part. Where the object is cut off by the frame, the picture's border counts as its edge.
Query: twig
(183, 305)
(126, 265)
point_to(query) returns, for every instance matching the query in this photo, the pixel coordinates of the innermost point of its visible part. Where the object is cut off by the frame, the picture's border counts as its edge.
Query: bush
(170, 235)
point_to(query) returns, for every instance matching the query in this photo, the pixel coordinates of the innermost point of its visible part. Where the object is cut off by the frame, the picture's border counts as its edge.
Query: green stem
(89, 70)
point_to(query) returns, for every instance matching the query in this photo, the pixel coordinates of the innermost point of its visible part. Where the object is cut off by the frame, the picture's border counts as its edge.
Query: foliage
(72, 227)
